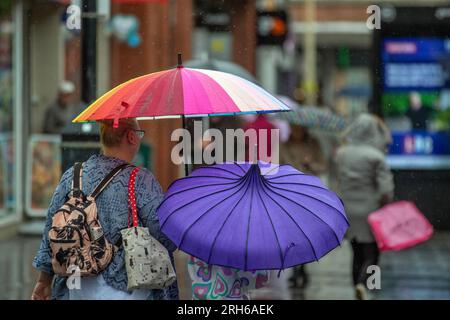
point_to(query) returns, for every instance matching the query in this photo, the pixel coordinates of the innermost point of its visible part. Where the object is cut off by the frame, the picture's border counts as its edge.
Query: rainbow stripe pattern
(182, 92)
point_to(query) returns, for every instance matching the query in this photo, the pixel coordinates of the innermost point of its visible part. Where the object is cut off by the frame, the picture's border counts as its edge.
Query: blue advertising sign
(420, 143)
(420, 150)
(415, 63)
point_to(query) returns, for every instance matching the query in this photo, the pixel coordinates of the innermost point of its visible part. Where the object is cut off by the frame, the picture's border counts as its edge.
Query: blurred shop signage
(214, 21)
(420, 143)
(415, 63)
(272, 27)
(420, 151)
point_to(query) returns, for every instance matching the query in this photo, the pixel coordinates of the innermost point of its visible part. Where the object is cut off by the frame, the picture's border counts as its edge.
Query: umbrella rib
(202, 197)
(249, 217)
(209, 87)
(334, 232)
(202, 176)
(307, 195)
(204, 213)
(265, 173)
(273, 228)
(298, 226)
(219, 168)
(169, 96)
(226, 220)
(279, 166)
(239, 166)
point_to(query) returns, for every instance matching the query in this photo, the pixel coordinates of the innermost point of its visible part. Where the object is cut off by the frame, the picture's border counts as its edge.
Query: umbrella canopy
(220, 65)
(312, 117)
(250, 217)
(181, 92)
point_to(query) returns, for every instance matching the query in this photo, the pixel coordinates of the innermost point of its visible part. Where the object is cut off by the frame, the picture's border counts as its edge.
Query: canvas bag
(77, 241)
(147, 261)
(399, 225)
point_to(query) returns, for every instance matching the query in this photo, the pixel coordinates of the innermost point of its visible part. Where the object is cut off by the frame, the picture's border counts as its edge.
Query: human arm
(43, 288)
(384, 181)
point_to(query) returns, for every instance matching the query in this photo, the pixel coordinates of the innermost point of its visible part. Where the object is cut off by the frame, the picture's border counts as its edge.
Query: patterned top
(112, 206)
(210, 282)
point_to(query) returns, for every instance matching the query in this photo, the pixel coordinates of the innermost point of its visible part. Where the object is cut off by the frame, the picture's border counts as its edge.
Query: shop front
(10, 112)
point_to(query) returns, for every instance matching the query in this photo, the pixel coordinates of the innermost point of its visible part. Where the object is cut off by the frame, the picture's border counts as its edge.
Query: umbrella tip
(180, 60)
(255, 154)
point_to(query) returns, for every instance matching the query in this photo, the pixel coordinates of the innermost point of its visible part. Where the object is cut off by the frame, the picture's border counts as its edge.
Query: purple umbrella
(253, 217)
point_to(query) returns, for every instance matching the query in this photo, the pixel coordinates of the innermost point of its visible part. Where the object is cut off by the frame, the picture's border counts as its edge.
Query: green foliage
(443, 119)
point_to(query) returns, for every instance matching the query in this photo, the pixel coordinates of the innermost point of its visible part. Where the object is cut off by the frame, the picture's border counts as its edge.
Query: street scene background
(391, 58)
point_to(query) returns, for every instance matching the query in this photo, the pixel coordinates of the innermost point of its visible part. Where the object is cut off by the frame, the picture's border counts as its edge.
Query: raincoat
(364, 178)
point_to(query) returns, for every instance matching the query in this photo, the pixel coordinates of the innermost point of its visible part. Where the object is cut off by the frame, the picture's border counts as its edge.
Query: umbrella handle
(285, 254)
(186, 165)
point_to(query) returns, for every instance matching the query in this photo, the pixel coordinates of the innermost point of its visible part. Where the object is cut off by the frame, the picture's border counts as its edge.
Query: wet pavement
(422, 272)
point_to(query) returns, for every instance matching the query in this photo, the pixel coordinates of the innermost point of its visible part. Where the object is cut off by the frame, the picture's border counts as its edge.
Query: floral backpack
(77, 241)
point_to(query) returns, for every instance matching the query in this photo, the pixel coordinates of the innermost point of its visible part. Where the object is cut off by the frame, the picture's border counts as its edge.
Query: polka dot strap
(132, 198)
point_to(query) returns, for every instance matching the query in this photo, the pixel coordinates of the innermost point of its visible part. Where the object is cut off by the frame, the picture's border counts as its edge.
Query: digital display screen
(415, 99)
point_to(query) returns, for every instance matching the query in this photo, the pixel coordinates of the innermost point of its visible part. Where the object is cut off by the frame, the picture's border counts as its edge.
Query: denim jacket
(112, 206)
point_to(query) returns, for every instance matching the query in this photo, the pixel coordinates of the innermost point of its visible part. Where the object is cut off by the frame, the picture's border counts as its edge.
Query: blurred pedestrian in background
(365, 184)
(304, 153)
(62, 111)
(417, 113)
(264, 148)
(223, 124)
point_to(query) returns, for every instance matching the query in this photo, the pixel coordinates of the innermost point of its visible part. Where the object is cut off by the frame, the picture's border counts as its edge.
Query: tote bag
(399, 225)
(147, 261)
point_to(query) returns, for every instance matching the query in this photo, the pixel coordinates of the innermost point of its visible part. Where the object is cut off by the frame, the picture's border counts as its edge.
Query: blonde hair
(112, 137)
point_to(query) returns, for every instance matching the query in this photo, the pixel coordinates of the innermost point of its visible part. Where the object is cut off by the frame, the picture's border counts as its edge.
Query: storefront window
(7, 166)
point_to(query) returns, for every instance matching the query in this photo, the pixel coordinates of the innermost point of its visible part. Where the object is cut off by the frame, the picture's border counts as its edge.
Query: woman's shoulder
(147, 182)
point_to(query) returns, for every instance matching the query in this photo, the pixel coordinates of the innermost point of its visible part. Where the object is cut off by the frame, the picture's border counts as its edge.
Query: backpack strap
(76, 182)
(102, 185)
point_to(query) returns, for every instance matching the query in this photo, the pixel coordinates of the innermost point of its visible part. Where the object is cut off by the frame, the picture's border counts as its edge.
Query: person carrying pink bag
(365, 184)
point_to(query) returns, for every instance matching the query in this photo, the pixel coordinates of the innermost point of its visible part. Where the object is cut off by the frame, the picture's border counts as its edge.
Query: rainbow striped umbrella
(182, 92)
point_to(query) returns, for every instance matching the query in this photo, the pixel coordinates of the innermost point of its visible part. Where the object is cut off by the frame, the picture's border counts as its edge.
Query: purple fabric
(235, 216)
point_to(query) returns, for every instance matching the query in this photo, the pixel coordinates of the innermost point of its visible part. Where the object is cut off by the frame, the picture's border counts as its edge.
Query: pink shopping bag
(399, 225)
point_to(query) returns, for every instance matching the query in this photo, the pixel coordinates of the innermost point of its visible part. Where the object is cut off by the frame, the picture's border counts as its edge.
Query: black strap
(102, 185)
(76, 184)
